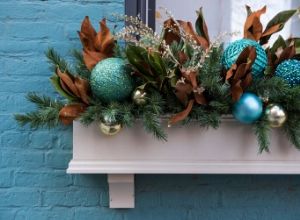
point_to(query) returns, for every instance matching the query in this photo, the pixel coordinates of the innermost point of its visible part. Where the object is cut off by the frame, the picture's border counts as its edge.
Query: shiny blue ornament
(111, 80)
(248, 109)
(289, 70)
(234, 49)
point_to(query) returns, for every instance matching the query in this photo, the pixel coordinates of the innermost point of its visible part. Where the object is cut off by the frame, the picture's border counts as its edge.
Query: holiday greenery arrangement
(180, 74)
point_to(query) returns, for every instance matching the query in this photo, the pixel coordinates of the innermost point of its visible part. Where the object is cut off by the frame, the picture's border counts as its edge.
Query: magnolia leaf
(157, 64)
(182, 115)
(279, 43)
(236, 91)
(249, 11)
(57, 86)
(83, 88)
(286, 54)
(91, 58)
(87, 34)
(253, 27)
(201, 27)
(104, 42)
(68, 81)
(200, 98)
(247, 81)
(189, 30)
(171, 32)
(231, 71)
(70, 112)
(276, 24)
(182, 92)
(296, 43)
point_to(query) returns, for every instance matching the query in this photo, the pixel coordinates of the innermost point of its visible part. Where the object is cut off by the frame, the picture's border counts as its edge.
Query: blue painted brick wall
(33, 182)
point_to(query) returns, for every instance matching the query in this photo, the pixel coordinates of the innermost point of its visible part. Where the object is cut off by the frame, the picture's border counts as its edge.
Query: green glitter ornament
(111, 80)
(289, 70)
(234, 49)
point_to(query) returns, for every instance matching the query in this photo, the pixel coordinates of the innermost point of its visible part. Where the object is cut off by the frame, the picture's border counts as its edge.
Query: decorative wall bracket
(231, 149)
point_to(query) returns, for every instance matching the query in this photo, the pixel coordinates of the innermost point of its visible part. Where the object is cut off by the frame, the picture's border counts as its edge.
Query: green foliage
(151, 114)
(262, 130)
(80, 66)
(56, 60)
(292, 129)
(47, 113)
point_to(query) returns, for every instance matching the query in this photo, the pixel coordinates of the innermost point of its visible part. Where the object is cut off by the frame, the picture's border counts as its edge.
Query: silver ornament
(109, 129)
(109, 126)
(276, 115)
(139, 97)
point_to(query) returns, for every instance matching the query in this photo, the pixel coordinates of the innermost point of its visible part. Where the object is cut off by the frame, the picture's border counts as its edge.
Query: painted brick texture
(33, 181)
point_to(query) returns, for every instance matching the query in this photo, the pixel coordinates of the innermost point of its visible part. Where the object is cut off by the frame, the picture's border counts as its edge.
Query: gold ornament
(276, 115)
(109, 129)
(139, 97)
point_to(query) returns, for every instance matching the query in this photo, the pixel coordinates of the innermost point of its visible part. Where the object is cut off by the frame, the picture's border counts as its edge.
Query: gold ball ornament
(109, 129)
(139, 97)
(276, 115)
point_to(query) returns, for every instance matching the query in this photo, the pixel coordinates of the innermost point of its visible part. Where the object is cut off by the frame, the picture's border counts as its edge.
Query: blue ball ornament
(248, 109)
(234, 49)
(289, 70)
(111, 80)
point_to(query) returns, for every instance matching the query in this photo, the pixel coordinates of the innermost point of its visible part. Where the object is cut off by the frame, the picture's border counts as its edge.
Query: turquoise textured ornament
(234, 49)
(111, 80)
(248, 109)
(289, 70)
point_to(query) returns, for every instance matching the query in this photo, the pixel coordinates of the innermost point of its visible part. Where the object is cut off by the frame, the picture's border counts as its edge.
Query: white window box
(231, 149)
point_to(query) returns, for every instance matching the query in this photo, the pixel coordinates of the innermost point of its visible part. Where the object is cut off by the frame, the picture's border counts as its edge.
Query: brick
(16, 198)
(56, 213)
(43, 179)
(5, 178)
(13, 139)
(58, 159)
(42, 30)
(71, 198)
(93, 181)
(8, 213)
(22, 159)
(97, 214)
(11, 10)
(43, 139)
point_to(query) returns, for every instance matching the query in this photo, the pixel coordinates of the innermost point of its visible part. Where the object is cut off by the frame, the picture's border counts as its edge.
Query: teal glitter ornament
(234, 49)
(111, 80)
(289, 70)
(248, 109)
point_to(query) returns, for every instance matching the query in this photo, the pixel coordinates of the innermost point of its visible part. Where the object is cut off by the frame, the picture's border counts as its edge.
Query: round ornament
(108, 129)
(248, 109)
(234, 49)
(111, 80)
(276, 115)
(289, 70)
(139, 97)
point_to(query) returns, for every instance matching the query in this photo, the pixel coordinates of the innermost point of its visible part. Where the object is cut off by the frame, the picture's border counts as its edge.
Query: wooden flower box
(231, 149)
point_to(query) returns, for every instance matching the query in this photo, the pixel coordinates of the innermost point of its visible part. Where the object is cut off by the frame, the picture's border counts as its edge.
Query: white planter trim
(231, 149)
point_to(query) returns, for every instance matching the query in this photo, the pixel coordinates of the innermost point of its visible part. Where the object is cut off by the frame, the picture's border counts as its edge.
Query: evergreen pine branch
(80, 66)
(151, 113)
(91, 114)
(152, 125)
(210, 75)
(42, 101)
(205, 118)
(47, 114)
(262, 130)
(274, 88)
(56, 61)
(292, 129)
